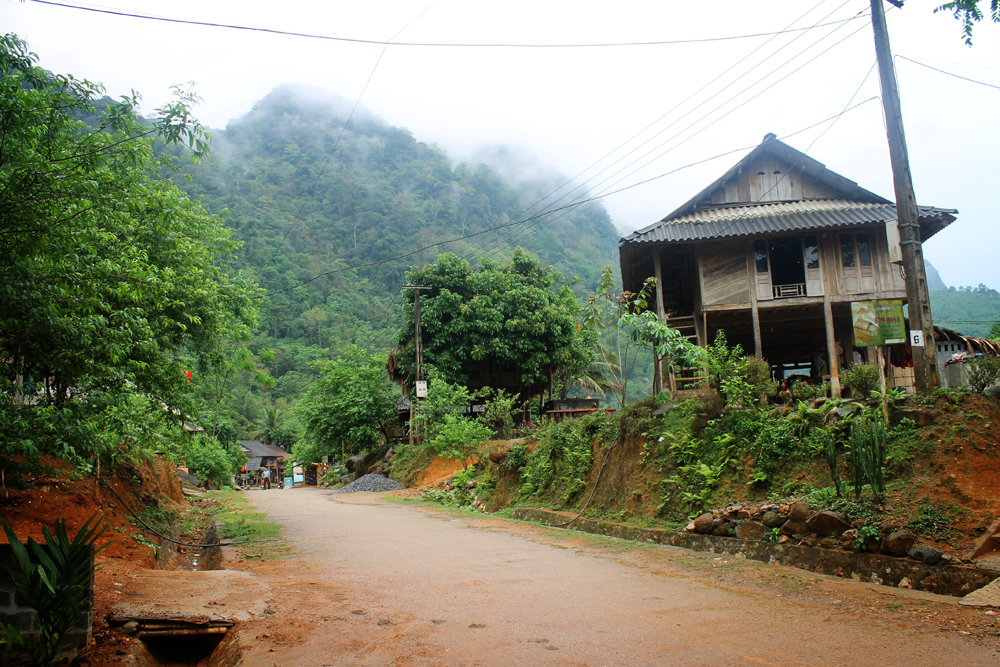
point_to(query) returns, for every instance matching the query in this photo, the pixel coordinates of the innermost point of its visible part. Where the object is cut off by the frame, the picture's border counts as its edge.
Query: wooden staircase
(686, 381)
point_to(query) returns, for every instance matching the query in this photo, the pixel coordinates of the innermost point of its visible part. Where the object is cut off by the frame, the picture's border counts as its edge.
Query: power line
(500, 239)
(568, 206)
(605, 193)
(957, 76)
(356, 40)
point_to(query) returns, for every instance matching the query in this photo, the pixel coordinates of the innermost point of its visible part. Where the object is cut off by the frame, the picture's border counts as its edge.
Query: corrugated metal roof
(734, 221)
(258, 448)
(253, 463)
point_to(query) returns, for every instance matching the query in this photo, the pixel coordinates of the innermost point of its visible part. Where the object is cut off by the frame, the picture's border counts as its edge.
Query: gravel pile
(371, 484)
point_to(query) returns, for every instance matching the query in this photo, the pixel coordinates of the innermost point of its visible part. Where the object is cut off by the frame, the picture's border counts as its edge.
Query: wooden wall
(768, 179)
(724, 275)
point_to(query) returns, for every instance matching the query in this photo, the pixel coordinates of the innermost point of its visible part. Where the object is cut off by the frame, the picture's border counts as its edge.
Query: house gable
(775, 172)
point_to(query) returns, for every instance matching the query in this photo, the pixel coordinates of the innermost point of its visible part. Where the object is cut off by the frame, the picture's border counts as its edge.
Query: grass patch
(242, 523)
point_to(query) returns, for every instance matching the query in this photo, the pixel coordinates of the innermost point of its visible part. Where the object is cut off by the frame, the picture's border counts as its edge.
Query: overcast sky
(573, 107)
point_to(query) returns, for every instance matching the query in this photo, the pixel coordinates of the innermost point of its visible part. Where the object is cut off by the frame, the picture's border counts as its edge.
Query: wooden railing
(788, 291)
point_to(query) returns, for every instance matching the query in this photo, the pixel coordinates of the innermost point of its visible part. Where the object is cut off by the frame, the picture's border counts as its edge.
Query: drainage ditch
(175, 629)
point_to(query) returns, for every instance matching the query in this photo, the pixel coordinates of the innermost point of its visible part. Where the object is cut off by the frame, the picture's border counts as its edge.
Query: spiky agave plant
(52, 579)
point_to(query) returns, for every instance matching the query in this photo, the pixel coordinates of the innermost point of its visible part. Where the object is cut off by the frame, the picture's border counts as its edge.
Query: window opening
(812, 253)
(864, 250)
(760, 255)
(847, 250)
(788, 276)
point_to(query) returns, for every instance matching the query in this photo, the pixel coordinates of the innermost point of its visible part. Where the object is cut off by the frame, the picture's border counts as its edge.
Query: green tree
(274, 421)
(459, 437)
(619, 322)
(969, 12)
(511, 316)
(114, 282)
(348, 409)
(211, 461)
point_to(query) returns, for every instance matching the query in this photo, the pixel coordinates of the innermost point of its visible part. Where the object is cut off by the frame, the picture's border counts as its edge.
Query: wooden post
(758, 348)
(926, 377)
(880, 359)
(661, 314)
(418, 345)
(833, 359)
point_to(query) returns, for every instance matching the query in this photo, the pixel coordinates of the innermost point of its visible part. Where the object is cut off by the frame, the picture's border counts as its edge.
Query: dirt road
(378, 582)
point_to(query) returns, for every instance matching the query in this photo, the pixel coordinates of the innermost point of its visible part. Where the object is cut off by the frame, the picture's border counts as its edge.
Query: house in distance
(773, 253)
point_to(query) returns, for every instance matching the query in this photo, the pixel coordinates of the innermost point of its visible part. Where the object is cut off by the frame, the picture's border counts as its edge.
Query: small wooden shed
(773, 253)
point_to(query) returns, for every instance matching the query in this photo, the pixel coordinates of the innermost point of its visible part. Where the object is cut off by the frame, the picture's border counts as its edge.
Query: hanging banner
(878, 323)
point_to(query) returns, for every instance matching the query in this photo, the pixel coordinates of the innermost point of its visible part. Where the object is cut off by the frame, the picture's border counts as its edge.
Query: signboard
(421, 388)
(878, 323)
(916, 338)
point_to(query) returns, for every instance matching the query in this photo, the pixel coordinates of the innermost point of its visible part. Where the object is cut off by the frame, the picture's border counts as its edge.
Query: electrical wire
(568, 206)
(355, 40)
(957, 76)
(605, 193)
(597, 481)
(170, 539)
(549, 211)
(679, 105)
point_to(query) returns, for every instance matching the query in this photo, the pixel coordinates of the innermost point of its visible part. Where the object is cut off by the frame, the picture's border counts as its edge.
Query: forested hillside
(972, 311)
(308, 198)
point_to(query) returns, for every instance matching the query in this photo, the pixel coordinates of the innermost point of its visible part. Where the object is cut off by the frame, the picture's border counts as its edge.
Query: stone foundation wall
(874, 568)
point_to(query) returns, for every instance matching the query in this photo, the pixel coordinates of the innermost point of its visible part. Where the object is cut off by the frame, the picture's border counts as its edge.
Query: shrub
(757, 373)
(861, 379)
(459, 437)
(983, 372)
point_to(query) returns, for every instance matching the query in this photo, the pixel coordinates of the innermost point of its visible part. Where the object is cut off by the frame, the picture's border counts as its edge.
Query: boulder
(703, 524)
(828, 523)
(899, 543)
(499, 452)
(799, 512)
(847, 539)
(742, 514)
(772, 519)
(751, 530)
(716, 522)
(928, 555)
(793, 528)
(353, 462)
(722, 529)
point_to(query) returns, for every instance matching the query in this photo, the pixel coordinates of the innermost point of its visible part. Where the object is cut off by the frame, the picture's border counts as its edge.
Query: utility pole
(924, 352)
(418, 345)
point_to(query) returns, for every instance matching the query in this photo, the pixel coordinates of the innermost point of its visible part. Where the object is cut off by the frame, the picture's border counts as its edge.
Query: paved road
(383, 583)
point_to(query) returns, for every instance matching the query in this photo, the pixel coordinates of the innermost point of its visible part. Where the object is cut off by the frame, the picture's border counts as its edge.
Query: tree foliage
(114, 281)
(308, 195)
(348, 409)
(509, 316)
(969, 13)
(970, 310)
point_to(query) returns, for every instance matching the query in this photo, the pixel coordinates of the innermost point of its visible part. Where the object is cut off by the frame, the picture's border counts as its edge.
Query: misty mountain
(309, 197)
(933, 277)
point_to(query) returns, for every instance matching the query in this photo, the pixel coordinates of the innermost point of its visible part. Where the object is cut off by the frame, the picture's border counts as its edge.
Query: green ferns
(560, 464)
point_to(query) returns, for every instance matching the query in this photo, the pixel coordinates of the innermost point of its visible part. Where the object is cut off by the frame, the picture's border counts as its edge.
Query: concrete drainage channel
(184, 614)
(873, 568)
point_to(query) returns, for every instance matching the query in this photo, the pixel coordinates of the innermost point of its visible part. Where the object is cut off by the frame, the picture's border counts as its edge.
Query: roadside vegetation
(259, 538)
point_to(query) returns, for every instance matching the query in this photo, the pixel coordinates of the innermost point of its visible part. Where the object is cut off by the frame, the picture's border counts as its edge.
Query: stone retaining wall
(874, 568)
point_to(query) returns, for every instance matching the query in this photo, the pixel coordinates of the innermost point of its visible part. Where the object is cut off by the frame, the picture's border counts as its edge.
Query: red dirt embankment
(61, 495)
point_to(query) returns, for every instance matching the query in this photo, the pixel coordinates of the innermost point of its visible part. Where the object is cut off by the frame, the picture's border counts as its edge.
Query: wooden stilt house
(773, 253)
